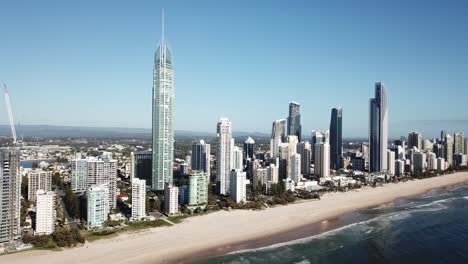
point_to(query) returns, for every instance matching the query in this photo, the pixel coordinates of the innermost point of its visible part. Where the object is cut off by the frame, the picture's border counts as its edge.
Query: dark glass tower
(378, 130)
(336, 139)
(294, 120)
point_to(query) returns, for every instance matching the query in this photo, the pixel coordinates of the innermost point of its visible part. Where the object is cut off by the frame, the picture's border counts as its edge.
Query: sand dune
(216, 232)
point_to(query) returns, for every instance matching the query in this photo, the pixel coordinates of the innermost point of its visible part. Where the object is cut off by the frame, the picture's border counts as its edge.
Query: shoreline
(222, 232)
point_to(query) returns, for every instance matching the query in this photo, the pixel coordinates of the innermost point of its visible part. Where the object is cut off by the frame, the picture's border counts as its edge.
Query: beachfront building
(103, 170)
(322, 160)
(458, 143)
(378, 130)
(238, 186)
(419, 162)
(171, 199)
(295, 167)
(198, 189)
(399, 167)
(224, 154)
(273, 173)
(448, 149)
(38, 180)
(317, 138)
(45, 212)
(441, 164)
(10, 195)
(98, 205)
(391, 162)
(249, 149)
(415, 140)
(138, 199)
(259, 178)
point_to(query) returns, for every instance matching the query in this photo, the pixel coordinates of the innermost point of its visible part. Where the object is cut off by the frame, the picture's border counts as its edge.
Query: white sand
(195, 234)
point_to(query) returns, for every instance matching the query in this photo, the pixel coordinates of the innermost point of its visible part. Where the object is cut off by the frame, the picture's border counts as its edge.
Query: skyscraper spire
(162, 28)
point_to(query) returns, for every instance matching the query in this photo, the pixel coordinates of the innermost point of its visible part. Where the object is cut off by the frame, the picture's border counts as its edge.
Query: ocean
(430, 228)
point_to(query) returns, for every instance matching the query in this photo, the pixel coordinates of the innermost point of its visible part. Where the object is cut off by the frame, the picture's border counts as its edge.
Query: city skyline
(411, 67)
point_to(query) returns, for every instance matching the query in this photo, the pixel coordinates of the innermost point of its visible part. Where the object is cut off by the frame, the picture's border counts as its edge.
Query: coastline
(223, 232)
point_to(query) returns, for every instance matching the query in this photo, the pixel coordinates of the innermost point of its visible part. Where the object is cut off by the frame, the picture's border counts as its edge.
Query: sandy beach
(222, 232)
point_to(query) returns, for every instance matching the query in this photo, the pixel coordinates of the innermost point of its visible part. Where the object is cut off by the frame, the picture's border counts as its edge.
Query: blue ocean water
(431, 228)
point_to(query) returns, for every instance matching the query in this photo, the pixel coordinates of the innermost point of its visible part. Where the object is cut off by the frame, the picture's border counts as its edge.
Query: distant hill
(46, 131)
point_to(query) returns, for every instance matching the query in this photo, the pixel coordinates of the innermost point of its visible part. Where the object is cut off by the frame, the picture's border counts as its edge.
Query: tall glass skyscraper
(336, 138)
(163, 116)
(294, 120)
(278, 136)
(378, 130)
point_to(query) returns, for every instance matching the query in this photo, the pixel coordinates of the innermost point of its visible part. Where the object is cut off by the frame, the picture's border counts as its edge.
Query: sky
(89, 63)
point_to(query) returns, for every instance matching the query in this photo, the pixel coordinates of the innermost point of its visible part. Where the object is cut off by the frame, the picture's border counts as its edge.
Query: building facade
(238, 183)
(322, 159)
(197, 189)
(141, 163)
(304, 149)
(171, 199)
(201, 157)
(10, 195)
(278, 136)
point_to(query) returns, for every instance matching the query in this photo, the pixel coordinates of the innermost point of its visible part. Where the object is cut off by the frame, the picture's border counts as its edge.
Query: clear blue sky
(90, 64)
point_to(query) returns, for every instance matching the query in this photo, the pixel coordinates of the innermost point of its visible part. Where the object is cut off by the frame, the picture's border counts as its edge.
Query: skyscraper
(237, 159)
(295, 167)
(103, 170)
(304, 149)
(138, 199)
(171, 199)
(378, 130)
(197, 189)
(201, 157)
(278, 136)
(318, 137)
(448, 149)
(415, 140)
(224, 154)
(249, 149)
(459, 143)
(163, 116)
(391, 162)
(294, 120)
(336, 138)
(10, 194)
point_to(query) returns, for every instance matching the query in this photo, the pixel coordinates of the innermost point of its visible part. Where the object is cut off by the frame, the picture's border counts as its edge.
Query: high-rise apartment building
(378, 130)
(336, 139)
(238, 188)
(38, 180)
(10, 194)
(79, 174)
(317, 138)
(171, 199)
(415, 140)
(103, 170)
(201, 157)
(448, 149)
(249, 149)
(294, 120)
(163, 116)
(322, 159)
(459, 143)
(278, 136)
(197, 189)
(138, 199)
(98, 205)
(304, 149)
(141, 163)
(237, 159)
(295, 167)
(45, 212)
(224, 154)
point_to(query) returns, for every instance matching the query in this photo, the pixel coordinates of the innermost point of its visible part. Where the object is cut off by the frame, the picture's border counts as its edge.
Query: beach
(223, 232)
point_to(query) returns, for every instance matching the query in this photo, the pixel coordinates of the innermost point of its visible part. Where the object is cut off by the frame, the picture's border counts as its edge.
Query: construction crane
(10, 114)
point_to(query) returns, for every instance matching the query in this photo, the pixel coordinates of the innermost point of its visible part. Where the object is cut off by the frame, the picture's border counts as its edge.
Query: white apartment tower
(224, 154)
(38, 180)
(295, 167)
(103, 170)
(238, 159)
(391, 162)
(138, 199)
(171, 199)
(45, 212)
(98, 205)
(79, 174)
(238, 183)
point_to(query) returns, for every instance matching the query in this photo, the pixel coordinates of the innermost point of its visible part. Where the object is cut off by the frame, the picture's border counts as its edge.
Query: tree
(24, 187)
